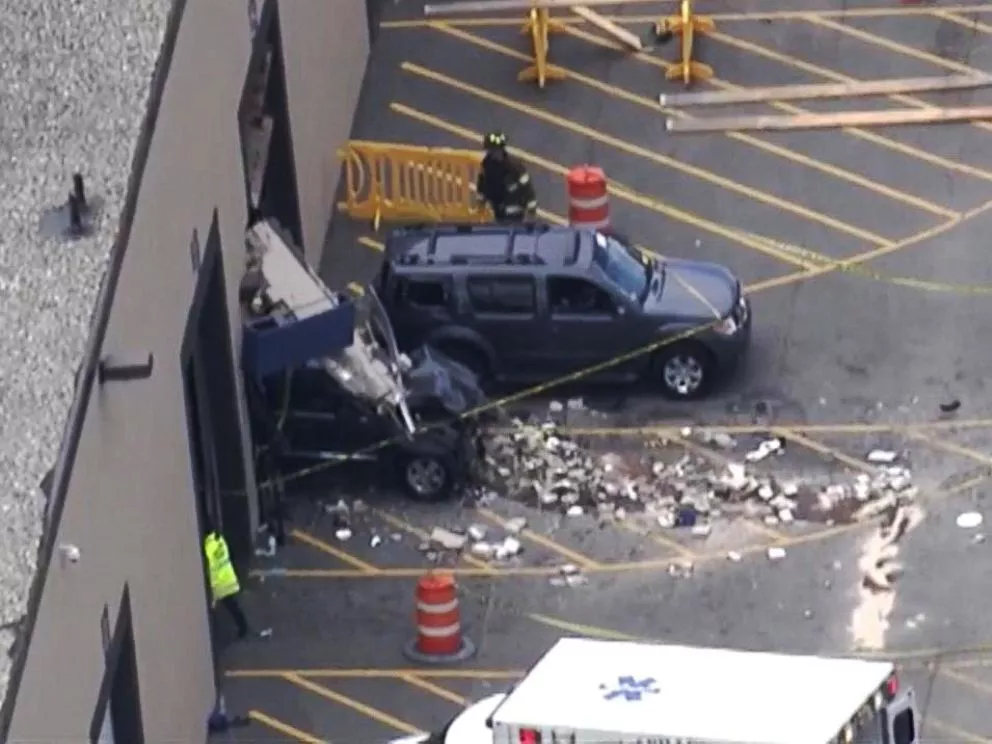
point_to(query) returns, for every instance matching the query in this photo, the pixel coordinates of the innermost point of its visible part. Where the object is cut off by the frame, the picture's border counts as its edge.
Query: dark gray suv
(525, 304)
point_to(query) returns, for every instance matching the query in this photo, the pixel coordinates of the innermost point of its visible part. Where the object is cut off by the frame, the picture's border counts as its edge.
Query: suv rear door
(504, 310)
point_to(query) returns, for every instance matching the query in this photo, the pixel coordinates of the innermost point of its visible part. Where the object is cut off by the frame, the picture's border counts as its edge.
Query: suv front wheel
(684, 370)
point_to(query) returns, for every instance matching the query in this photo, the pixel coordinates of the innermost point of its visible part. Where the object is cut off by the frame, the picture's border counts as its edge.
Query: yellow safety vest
(223, 579)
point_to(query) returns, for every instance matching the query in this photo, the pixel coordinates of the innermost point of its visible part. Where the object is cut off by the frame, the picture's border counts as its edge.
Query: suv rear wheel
(685, 371)
(471, 358)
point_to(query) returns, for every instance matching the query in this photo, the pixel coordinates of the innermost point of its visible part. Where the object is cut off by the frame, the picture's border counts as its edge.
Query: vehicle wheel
(427, 477)
(470, 358)
(684, 370)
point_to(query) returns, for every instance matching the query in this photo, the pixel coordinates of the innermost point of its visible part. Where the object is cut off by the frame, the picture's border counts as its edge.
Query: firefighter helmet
(494, 141)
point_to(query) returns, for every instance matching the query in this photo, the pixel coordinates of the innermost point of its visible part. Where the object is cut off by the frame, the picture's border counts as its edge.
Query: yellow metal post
(540, 26)
(686, 25)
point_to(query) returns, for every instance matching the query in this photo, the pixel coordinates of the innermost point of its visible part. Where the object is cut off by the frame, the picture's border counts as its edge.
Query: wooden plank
(823, 121)
(826, 90)
(605, 24)
(496, 6)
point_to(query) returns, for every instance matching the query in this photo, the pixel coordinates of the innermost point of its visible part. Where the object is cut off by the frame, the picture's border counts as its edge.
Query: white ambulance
(586, 691)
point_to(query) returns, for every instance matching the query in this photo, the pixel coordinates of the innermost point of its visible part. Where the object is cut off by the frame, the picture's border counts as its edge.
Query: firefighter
(224, 585)
(505, 183)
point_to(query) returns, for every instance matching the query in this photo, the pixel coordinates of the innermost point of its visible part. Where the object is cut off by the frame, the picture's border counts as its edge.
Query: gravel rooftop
(74, 80)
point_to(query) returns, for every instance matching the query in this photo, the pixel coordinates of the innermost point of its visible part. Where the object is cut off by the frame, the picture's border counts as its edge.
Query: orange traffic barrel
(588, 201)
(439, 638)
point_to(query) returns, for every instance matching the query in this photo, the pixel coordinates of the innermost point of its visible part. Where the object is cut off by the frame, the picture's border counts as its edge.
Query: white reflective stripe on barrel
(596, 225)
(445, 632)
(438, 609)
(595, 203)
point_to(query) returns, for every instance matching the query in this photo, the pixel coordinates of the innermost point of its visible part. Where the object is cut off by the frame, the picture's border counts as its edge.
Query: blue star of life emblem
(630, 689)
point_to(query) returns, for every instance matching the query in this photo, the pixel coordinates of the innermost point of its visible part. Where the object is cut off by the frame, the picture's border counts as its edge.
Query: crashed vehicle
(328, 387)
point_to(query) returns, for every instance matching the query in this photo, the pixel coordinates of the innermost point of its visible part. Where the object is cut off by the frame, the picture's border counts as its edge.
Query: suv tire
(685, 371)
(425, 477)
(470, 357)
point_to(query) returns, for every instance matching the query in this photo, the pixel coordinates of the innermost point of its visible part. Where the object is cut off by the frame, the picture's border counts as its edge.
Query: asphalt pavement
(864, 253)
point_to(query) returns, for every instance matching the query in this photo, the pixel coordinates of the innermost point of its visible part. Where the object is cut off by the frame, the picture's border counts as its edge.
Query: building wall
(330, 57)
(130, 507)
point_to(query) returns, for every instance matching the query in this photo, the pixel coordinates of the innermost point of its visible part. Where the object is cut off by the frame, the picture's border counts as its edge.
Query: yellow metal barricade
(404, 183)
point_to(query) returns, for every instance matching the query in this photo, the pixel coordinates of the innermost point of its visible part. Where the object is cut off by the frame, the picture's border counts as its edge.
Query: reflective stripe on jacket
(223, 579)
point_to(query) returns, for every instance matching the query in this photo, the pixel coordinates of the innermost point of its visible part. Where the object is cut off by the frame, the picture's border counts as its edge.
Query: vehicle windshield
(624, 266)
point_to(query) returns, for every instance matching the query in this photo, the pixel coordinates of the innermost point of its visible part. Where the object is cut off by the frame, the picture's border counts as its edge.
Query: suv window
(424, 293)
(904, 728)
(504, 295)
(571, 296)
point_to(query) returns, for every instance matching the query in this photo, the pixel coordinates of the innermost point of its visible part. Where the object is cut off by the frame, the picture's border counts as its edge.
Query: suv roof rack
(494, 245)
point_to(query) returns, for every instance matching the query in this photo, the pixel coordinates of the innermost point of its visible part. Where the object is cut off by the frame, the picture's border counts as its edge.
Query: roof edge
(86, 376)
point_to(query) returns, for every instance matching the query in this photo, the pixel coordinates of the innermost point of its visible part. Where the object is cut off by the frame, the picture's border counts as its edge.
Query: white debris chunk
(343, 534)
(478, 532)
(447, 539)
(882, 457)
(775, 553)
(516, 525)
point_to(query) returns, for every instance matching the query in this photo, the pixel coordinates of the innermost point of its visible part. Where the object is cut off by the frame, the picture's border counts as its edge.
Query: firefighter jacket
(223, 579)
(506, 185)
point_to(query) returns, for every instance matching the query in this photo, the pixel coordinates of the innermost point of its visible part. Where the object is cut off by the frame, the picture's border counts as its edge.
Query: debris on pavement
(540, 465)
(950, 406)
(969, 520)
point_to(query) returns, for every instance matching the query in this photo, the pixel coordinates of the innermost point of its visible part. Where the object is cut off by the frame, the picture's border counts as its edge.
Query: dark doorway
(266, 137)
(117, 718)
(222, 501)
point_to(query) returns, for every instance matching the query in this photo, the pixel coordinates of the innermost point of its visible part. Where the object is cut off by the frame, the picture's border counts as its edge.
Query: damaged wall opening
(266, 137)
(212, 415)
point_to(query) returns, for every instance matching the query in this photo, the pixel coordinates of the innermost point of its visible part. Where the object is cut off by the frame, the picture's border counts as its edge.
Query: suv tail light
(530, 736)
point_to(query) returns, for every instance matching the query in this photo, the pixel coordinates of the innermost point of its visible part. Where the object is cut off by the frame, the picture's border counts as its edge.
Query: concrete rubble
(541, 466)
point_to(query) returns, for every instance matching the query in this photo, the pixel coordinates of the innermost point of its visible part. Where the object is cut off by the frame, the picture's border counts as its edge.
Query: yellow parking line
(636, 19)
(972, 24)
(792, 155)
(672, 430)
(823, 449)
(954, 448)
(908, 51)
(420, 534)
(891, 144)
(356, 288)
(674, 545)
(967, 681)
(637, 151)
(284, 728)
(545, 542)
(627, 194)
(433, 689)
(496, 674)
(593, 631)
(892, 46)
(372, 243)
(958, 734)
(366, 710)
(341, 555)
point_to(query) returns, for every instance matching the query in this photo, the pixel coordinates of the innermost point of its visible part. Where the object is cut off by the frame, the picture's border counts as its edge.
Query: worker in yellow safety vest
(505, 183)
(224, 585)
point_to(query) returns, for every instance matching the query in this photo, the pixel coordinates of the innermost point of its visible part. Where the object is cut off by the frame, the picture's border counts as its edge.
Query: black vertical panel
(373, 10)
(280, 197)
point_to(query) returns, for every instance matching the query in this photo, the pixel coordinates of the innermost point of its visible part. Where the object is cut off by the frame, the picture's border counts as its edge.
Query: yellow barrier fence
(403, 183)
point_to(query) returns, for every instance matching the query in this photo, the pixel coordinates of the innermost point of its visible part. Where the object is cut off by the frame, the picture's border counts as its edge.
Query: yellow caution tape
(494, 404)
(924, 285)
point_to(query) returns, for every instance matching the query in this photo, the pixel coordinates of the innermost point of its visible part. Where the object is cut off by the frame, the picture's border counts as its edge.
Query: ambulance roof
(699, 694)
